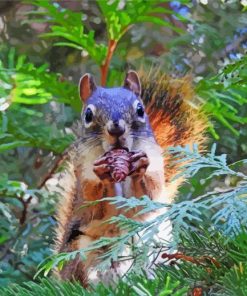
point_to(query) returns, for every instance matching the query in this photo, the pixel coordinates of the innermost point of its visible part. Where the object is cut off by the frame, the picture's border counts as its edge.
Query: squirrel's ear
(86, 86)
(132, 82)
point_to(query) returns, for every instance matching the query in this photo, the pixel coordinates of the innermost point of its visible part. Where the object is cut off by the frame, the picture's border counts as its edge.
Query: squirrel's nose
(116, 123)
(116, 130)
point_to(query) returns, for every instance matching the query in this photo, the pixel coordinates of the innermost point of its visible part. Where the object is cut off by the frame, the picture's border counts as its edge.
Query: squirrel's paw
(139, 163)
(102, 169)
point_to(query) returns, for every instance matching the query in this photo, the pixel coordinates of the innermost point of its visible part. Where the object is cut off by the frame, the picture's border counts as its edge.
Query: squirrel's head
(114, 115)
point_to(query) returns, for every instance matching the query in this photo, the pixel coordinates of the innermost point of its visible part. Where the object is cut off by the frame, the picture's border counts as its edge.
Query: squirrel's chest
(126, 189)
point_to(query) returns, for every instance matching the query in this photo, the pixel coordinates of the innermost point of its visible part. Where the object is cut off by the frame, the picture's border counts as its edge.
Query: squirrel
(140, 119)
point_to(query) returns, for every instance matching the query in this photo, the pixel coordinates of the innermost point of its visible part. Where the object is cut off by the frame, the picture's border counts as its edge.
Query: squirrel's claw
(137, 155)
(102, 171)
(139, 164)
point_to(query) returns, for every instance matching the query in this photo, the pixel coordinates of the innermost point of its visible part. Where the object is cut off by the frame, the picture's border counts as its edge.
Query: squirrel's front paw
(138, 163)
(102, 169)
(114, 165)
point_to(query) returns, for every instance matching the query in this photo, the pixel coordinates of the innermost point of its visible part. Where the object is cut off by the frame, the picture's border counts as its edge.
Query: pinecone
(119, 161)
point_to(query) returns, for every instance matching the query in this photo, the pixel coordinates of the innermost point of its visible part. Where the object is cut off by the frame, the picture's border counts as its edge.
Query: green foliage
(68, 25)
(22, 84)
(224, 94)
(235, 281)
(118, 16)
(25, 230)
(38, 107)
(162, 286)
(215, 52)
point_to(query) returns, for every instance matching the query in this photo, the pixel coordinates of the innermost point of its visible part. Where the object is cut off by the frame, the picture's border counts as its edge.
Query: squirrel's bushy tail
(174, 117)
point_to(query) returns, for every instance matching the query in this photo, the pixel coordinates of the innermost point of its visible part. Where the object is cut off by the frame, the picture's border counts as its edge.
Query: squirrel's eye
(139, 110)
(88, 115)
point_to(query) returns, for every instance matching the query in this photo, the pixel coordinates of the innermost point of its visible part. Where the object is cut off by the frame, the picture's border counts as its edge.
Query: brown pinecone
(119, 161)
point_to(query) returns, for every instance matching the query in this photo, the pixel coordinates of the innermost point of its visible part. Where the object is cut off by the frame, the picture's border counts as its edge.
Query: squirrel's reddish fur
(175, 117)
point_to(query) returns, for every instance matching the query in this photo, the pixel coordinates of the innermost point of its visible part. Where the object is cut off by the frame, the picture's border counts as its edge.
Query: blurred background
(46, 46)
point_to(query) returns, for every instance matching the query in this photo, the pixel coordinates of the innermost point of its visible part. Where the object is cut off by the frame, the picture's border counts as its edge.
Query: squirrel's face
(116, 116)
